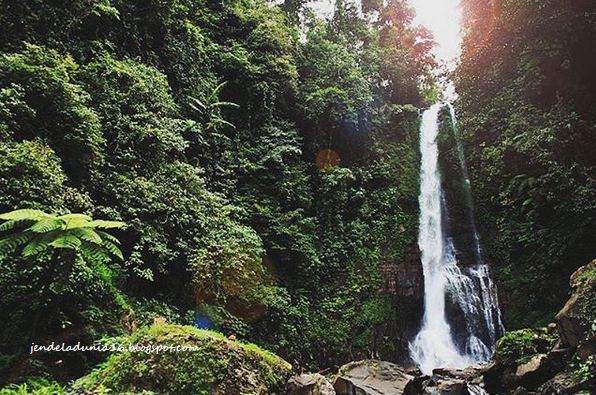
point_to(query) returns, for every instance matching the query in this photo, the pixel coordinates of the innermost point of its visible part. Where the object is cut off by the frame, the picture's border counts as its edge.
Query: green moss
(518, 347)
(219, 366)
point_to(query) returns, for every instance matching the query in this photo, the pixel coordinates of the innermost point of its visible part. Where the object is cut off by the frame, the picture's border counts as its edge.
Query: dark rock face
(404, 283)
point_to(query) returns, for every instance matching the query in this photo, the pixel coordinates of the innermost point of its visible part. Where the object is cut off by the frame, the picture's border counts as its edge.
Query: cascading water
(471, 289)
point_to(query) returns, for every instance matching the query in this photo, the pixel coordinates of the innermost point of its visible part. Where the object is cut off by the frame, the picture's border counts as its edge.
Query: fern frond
(25, 214)
(106, 235)
(76, 216)
(47, 225)
(9, 225)
(39, 243)
(94, 252)
(76, 223)
(112, 248)
(105, 224)
(11, 243)
(87, 234)
(66, 241)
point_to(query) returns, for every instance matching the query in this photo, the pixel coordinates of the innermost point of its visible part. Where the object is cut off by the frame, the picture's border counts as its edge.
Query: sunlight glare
(442, 18)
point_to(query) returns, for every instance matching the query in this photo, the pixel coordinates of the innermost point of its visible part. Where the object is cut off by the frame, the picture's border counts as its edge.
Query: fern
(88, 235)
(47, 225)
(71, 231)
(8, 225)
(13, 242)
(25, 214)
(105, 224)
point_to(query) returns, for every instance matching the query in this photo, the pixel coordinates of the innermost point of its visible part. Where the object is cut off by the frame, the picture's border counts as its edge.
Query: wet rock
(309, 384)
(452, 387)
(373, 378)
(468, 374)
(437, 385)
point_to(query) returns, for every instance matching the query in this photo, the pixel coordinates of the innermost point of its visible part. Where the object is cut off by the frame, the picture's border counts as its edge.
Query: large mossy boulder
(218, 366)
(577, 319)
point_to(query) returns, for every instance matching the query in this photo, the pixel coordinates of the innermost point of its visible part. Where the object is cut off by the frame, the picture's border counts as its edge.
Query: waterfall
(472, 289)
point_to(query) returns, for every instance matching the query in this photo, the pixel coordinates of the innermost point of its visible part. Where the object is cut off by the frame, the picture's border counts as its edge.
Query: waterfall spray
(472, 290)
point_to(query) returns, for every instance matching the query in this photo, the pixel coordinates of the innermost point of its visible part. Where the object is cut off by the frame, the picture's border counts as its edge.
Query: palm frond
(223, 122)
(197, 105)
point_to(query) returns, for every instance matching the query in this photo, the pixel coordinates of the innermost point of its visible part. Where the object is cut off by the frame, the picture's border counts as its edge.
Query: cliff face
(404, 283)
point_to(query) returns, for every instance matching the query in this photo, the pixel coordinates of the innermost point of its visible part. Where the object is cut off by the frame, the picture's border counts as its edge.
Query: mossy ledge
(220, 366)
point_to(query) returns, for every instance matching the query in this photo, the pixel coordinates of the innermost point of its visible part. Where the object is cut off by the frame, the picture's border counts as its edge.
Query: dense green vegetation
(264, 169)
(528, 96)
(253, 167)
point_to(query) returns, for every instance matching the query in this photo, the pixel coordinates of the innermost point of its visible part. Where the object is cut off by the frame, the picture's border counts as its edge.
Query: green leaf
(108, 236)
(113, 248)
(9, 225)
(66, 241)
(11, 243)
(47, 225)
(76, 216)
(94, 252)
(87, 234)
(105, 224)
(25, 214)
(38, 244)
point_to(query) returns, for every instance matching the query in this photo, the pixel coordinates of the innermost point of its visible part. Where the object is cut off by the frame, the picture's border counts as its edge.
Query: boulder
(370, 377)
(437, 385)
(535, 372)
(309, 384)
(571, 323)
(451, 387)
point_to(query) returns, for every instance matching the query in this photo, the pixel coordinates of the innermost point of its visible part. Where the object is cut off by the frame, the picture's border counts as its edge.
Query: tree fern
(34, 232)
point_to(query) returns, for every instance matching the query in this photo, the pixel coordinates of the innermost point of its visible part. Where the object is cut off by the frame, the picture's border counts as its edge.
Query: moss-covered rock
(218, 366)
(518, 347)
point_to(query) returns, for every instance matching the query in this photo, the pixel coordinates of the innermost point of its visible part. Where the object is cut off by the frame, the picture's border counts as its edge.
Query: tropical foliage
(528, 94)
(198, 124)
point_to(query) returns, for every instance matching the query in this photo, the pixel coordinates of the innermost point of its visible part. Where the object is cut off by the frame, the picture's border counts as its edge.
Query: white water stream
(471, 289)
